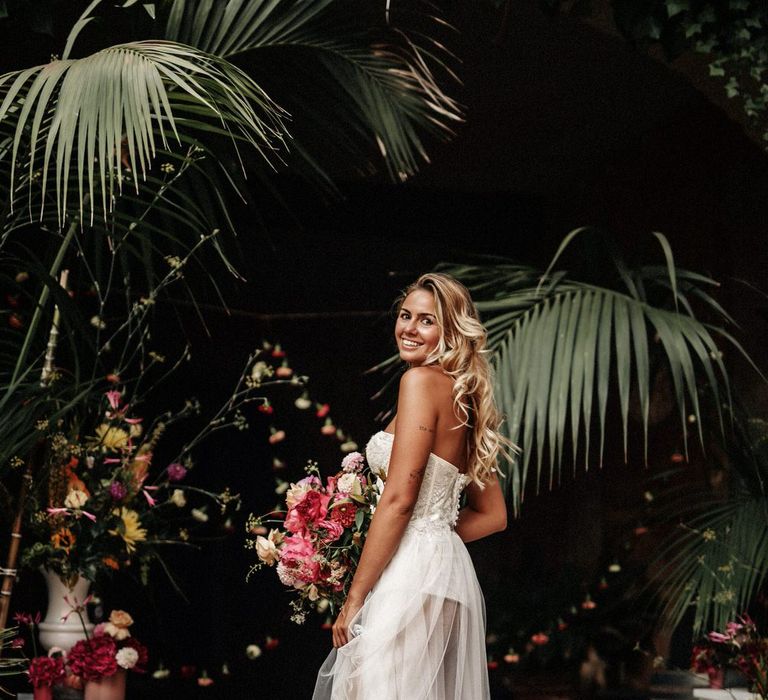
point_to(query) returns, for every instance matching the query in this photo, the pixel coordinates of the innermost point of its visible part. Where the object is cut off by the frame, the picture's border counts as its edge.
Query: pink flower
(176, 472)
(718, 637)
(333, 530)
(114, 398)
(309, 510)
(353, 462)
(300, 489)
(298, 557)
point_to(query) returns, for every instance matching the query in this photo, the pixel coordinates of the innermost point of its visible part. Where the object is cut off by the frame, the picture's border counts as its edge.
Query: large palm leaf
(562, 347)
(353, 78)
(108, 113)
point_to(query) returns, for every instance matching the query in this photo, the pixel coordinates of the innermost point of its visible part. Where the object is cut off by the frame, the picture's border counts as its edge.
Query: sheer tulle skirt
(420, 634)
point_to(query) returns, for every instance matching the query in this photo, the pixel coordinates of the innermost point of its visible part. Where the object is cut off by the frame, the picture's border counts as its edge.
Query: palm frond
(354, 79)
(106, 115)
(561, 348)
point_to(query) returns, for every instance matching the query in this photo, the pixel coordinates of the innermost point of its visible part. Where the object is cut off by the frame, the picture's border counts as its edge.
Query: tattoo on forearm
(417, 474)
(426, 429)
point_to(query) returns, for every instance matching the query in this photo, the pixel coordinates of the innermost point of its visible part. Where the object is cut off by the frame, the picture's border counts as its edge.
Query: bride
(413, 624)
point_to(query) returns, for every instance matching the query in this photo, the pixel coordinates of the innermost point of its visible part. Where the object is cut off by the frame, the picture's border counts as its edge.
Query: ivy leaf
(692, 29)
(716, 70)
(732, 87)
(675, 7)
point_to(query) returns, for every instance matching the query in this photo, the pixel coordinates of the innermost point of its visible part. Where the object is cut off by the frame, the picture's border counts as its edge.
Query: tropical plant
(715, 558)
(116, 165)
(562, 346)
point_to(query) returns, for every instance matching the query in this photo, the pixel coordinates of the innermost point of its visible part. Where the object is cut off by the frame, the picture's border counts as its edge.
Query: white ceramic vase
(54, 632)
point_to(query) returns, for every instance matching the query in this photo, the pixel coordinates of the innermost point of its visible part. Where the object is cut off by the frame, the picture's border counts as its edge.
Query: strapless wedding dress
(420, 635)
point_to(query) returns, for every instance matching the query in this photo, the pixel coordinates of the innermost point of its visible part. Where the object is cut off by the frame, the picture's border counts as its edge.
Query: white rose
(266, 551)
(127, 657)
(253, 651)
(75, 499)
(349, 483)
(178, 498)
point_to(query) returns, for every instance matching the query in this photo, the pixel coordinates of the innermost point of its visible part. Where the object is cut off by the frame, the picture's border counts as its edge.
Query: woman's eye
(426, 321)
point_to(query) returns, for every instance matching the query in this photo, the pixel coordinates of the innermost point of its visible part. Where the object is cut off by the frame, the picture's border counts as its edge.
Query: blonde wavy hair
(461, 352)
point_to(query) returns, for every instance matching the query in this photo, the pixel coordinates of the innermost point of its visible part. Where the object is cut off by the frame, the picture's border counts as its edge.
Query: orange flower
(73, 480)
(111, 562)
(63, 538)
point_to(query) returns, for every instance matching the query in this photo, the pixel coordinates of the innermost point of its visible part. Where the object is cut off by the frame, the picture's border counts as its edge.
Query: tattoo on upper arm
(426, 429)
(417, 474)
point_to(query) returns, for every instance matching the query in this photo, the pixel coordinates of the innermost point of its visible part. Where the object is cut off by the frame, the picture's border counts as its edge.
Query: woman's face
(416, 331)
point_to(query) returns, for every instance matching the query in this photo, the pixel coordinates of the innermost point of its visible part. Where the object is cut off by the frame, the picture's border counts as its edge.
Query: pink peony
(312, 508)
(93, 659)
(298, 557)
(333, 530)
(301, 489)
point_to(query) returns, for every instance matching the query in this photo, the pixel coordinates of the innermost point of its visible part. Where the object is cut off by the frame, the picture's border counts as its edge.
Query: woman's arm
(416, 423)
(485, 512)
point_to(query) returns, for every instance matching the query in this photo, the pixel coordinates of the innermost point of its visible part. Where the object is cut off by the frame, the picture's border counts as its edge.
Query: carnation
(127, 657)
(93, 659)
(141, 651)
(46, 671)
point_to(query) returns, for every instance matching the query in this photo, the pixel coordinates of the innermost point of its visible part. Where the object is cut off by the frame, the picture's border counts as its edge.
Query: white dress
(420, 635)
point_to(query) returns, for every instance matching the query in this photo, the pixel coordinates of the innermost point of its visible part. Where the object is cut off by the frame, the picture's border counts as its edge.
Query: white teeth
(410, 343)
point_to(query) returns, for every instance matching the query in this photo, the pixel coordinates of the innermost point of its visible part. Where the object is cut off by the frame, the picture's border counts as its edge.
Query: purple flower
(117, 491)
(176, 472)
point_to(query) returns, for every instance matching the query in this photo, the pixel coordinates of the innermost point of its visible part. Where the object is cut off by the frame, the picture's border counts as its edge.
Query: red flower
(141, 650)
(266, 408)
(46, 671)
(492, 665)
(271, 643)
(93, 659)
(323, 410)
(14, 321)
(344, 514)
(540, 639)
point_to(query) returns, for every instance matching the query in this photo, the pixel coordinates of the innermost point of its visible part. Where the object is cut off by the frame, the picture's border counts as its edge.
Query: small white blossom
(199, 515)
(178, 498)
(253, 651)
(127, 657)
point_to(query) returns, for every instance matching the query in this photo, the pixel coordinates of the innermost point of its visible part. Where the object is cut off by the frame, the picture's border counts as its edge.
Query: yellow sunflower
(130, 530)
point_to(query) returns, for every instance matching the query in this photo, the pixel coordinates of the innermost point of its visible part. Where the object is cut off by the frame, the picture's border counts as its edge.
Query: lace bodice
(437, 507)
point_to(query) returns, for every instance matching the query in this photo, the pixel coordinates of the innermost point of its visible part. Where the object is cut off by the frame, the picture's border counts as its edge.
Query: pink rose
(312, 508)
(333, 530)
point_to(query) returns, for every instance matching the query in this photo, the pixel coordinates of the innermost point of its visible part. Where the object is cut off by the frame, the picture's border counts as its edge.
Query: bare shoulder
(431, 381)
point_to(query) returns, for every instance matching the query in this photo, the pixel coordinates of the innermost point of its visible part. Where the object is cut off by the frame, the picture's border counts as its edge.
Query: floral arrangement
(740, 647)
(323, 531)
(110, 649)
(100, 510)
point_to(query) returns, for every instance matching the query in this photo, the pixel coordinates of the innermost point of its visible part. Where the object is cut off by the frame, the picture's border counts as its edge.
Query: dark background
(566, 125)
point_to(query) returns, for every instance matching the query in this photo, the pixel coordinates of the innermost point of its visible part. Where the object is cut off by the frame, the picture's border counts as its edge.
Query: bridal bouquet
(323, 530)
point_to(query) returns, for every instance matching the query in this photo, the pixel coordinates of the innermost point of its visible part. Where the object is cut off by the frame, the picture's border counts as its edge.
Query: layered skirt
(420, 635)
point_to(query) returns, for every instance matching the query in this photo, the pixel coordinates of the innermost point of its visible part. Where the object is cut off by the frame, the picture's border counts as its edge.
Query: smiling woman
(413, 623)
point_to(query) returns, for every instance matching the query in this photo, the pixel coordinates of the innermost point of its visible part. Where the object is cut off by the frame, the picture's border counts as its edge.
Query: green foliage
(562, 347)
(716, 559)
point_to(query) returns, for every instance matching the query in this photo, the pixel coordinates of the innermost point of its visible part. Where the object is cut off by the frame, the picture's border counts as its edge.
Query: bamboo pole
(9, 572)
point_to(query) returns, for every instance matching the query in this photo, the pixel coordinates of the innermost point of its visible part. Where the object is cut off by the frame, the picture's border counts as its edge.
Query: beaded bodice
(437, 507)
